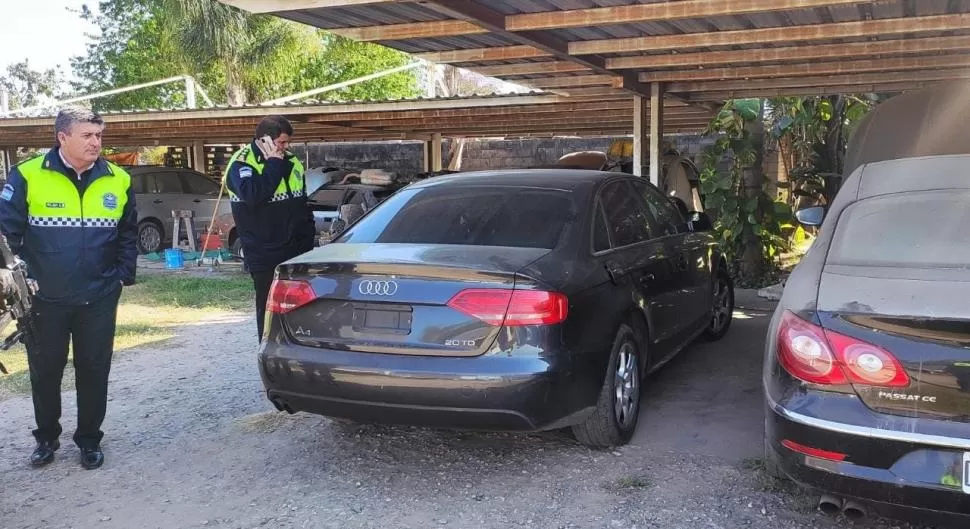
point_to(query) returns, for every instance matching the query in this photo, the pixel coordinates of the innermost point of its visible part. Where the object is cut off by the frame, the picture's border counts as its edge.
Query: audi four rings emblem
(377, 288)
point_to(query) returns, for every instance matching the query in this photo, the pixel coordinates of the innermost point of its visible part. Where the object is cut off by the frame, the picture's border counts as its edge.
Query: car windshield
(916, 230)
(468, 215)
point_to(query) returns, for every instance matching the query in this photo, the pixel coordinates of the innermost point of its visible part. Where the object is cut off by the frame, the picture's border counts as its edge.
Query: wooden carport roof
(520, 115)
(702, 51)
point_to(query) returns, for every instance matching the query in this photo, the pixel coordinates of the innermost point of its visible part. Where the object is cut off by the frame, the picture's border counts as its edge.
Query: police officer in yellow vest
(267, 193)
(70, 215)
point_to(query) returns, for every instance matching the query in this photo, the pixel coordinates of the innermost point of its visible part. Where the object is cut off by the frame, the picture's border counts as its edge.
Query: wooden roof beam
(481, 15)
(277, 6)
(499, 53)
(815, 32)
(803, 83)
(413, 30)
(531, 68)
(812, 91)
(571, 81)
(942, 62)
(659, 12)
(794, 53)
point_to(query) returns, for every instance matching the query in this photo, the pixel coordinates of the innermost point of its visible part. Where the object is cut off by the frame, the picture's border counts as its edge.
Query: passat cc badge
(377, 288)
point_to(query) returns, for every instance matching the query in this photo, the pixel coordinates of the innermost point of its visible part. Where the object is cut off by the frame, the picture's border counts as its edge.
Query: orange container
(211, 241)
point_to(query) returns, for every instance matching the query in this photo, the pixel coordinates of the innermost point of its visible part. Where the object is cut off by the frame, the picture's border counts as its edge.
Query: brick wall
(406, 157)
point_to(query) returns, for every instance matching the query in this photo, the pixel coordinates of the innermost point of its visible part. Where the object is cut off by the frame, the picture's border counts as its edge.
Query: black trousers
(91, 328)
(262, 281)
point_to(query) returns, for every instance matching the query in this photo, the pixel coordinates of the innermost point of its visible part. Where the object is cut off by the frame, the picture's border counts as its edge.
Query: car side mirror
(700, 221)
(813, 216)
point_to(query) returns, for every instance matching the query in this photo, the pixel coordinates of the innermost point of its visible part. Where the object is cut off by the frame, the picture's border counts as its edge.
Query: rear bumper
(897, 473)
(489, 392)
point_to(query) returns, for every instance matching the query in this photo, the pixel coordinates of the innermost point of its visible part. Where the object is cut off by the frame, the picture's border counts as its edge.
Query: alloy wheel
(627, 385)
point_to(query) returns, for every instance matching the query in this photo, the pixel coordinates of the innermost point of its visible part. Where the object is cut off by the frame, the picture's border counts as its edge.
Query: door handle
(196, 201)
(157, 201)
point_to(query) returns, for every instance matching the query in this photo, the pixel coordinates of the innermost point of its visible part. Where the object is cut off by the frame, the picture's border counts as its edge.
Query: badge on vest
(7, 192)
(56, 205)
(109, 201)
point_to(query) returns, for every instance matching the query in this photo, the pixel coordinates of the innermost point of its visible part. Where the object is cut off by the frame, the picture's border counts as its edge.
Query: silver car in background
(160, 190)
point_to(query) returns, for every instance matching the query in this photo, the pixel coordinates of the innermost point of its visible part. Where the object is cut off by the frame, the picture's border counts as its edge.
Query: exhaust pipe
(854, 511)
(830, 505)
(281, 405)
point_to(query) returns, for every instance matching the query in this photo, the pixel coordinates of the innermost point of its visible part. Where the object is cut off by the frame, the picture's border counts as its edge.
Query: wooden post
(198, 156)
(436, 160)
(656, 132)
(639, 135)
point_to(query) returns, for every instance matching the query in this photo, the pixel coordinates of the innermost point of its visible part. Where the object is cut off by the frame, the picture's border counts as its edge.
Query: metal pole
(343, 84)
(189, 92)
(656, 131)
(639, 134)
(93, 96)
(4, 101)
(205, 96)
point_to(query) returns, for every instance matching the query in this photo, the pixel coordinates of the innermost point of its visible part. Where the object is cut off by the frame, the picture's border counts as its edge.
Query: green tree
(135, 46)
(27, 87)
(239, 58)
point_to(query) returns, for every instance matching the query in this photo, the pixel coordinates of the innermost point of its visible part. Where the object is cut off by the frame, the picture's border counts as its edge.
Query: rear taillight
(286, 295)
(821, 356)
(512, 307)
(814, 452)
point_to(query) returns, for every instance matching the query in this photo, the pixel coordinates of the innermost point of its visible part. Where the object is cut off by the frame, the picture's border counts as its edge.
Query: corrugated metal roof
(795, 18)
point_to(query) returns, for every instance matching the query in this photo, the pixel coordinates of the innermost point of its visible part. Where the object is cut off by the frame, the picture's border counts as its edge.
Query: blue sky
(44, 32)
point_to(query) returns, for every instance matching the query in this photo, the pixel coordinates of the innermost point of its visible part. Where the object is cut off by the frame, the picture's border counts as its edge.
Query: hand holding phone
(268, 147)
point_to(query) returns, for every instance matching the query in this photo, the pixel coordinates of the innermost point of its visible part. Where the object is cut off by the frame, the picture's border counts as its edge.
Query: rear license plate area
(382, 318)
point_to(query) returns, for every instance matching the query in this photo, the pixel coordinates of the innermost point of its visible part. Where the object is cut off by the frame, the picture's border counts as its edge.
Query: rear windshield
(921, 230)
(469, 215)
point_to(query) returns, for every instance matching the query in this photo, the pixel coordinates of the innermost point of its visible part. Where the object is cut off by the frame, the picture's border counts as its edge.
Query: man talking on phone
(267, 192)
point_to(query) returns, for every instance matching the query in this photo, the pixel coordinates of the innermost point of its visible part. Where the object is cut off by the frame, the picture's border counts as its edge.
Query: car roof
(143, 169)
(557, 178)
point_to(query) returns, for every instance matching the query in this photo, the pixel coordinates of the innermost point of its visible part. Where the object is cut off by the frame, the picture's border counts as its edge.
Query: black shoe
(44, 453)
(91, 458)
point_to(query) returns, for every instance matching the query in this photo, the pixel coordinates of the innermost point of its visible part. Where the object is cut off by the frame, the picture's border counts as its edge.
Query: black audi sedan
(867, 363)
(516, 300)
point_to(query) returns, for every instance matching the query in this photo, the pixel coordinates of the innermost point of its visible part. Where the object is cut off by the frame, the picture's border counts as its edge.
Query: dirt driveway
(191, 442)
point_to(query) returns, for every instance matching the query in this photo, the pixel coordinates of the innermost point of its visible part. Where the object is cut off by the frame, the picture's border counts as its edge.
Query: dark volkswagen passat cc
(867, 365)
(519, 300)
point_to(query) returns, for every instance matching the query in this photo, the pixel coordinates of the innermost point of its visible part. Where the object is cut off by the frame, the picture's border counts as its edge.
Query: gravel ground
(191, 442)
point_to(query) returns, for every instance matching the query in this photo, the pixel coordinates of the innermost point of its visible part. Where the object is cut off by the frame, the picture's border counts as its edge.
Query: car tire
(614, 420)
(150, 236)
(236, 248)
(722, 310)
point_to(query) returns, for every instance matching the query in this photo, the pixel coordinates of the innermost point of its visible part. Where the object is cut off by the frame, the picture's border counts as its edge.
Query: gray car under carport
(868, 353)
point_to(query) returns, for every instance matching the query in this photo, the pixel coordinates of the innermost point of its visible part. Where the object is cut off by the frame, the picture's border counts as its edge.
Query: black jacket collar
(52, 160)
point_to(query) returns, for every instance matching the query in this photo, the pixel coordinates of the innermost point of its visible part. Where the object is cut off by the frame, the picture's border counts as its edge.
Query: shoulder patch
(245, 172)
(7, 192)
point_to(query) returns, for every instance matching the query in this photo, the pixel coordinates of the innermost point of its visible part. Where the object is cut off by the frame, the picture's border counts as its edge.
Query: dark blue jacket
(269, 206)
(78, 236)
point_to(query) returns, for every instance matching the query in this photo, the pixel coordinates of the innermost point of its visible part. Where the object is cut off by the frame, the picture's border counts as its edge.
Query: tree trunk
(752, 258)
(235, 91)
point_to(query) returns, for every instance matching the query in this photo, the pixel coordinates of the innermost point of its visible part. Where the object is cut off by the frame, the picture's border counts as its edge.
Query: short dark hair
(273, 126)
(68, 116)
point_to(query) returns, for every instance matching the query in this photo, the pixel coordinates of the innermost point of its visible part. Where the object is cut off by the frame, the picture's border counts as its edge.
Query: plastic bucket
(174, 258)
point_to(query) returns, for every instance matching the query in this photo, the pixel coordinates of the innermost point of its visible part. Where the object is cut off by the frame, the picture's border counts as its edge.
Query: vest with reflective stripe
(292, 186)
(53, 200)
